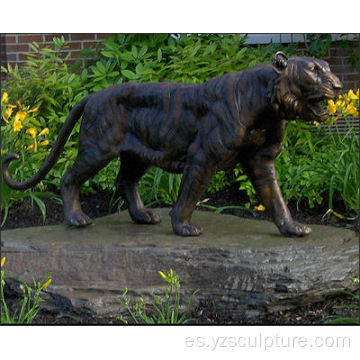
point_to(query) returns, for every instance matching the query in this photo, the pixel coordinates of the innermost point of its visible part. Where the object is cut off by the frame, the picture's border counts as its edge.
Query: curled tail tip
(11, 156)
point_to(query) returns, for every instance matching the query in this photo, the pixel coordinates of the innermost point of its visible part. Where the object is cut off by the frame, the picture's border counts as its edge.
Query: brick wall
(15, 46)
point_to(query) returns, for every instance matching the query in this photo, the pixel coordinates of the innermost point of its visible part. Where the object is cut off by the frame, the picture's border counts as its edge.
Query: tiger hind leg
(87, 164)
(131, 170)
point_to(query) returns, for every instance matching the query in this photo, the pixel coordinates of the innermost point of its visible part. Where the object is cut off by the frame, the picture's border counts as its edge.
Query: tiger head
(302, 87)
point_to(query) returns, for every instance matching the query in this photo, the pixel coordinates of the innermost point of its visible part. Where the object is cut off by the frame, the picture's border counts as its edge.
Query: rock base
(243, 268)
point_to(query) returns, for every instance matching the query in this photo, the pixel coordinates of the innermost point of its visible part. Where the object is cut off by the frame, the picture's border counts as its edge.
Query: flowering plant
(21, 129)
(346, 105)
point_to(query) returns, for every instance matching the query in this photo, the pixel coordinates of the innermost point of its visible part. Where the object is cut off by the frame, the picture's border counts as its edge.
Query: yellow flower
(331, 107)
(35, 145)
(357, 93)
(44, 143)
(163, 276)
(339, 104)
(44, 132)
(316, 123)
(32, 132)
(352, 96)
(17, 126)
(19, 105)
(352, 110)
(4, 258)
(30, 147)
(259, 208)
(4, 97)
(8, 112)
(33, 110)
(46, 285)
(171, 273)
(20, 115)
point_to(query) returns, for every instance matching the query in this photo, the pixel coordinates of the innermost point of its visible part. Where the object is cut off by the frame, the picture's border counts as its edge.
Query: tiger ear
(279, 61)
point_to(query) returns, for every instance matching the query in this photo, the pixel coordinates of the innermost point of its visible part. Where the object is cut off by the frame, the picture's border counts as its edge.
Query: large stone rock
(243, 268)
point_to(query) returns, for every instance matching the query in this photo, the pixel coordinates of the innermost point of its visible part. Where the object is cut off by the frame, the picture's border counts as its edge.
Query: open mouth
(318, 107)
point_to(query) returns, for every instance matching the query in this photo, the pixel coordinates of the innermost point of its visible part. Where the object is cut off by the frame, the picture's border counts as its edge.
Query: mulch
(23, 215)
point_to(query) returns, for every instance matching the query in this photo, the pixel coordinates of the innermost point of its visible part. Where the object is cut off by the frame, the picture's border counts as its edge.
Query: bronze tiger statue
(193, 129)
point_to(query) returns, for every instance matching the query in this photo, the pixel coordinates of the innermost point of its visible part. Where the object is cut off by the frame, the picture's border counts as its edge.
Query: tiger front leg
(196, 177)
(262, 173)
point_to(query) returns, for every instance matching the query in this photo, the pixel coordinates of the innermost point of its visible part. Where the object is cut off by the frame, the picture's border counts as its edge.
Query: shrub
(314, 163)
(24, 133)
(45, 83)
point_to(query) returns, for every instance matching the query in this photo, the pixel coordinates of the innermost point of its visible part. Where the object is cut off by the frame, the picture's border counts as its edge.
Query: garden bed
(96, 205)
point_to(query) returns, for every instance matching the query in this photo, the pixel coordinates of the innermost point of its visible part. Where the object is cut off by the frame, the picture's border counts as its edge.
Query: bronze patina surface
(193, 129)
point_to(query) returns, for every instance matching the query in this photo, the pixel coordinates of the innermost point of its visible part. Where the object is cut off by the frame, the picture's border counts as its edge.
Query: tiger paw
(294, 229)
(144, 216)
(185, 229)
(78, 219)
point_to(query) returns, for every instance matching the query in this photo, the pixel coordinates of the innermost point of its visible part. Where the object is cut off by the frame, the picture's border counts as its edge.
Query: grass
(165, 310)
(29, 306)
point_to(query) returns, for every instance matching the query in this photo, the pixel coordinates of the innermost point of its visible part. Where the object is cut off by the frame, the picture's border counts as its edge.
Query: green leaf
(241, 53)
(120, 38)
(84, 75)
(142, 51)
(159, 55)
(129, 74)
(134, 52)
(108, 54)
(139, 69)
(127, 56)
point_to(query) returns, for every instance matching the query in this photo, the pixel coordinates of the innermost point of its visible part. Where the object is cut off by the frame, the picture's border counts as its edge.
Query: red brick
(72, 45)
(49, 37)
(334, 60)
(89, 44)
(82, 36)
(350, 85)
(71, 61)
(340, 68)
(74, 54)
(352, 77)
(30, 38)
(10, 39)
(22, 56)
(16, 48)
(11, 57)
(338, 51)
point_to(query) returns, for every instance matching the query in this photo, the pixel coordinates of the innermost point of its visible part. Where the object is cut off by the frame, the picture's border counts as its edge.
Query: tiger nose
(336, 83)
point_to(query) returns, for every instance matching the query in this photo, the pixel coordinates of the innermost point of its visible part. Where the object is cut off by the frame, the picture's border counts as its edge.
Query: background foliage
(49, 84)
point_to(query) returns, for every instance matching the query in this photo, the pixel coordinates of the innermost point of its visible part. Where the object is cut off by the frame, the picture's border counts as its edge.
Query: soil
(95, 205)
(23, 215)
